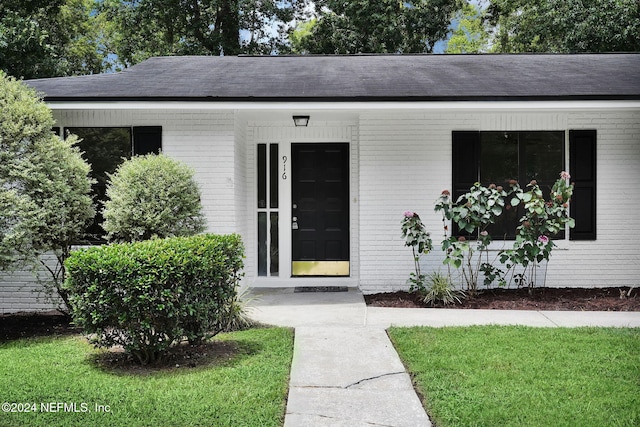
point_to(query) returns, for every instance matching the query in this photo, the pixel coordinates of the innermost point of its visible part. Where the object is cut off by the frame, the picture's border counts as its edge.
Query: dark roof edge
(346, 99)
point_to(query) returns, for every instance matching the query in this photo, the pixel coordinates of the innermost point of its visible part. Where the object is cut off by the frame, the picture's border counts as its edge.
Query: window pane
(262, 243)
(274, 249)
(499, 157)
(543, 158)
(147, 140)
(262, 176)
(104, 149)
(522, 156)
(273, 175)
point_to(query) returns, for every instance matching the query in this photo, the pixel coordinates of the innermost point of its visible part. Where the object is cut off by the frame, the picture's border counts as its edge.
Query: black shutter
(466, 161)
(466, 166)
(147, 140)
(582, 163)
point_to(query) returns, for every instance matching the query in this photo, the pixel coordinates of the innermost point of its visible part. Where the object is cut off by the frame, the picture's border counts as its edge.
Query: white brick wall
(23, 291)
(405, 162)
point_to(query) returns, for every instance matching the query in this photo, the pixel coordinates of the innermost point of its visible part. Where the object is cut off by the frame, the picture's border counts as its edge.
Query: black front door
(320, 209)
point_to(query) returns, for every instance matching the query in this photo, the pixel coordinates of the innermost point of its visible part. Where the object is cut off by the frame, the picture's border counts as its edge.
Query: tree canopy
(471, 34)
(384, 26)
(50, 38)
(565, 26)
(143, 28)
(72, 37)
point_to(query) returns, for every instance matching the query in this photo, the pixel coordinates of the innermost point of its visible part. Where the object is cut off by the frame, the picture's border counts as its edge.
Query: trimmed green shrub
(45, 202)
(148, 296)
(152, 196)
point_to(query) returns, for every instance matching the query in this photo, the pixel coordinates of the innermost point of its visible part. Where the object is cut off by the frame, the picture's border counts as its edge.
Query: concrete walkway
(345, 372)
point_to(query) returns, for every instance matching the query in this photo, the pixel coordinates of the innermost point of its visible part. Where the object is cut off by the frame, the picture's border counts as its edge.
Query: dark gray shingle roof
(360, 78)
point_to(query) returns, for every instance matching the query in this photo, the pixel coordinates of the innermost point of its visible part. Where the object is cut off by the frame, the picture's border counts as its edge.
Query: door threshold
(299, 289)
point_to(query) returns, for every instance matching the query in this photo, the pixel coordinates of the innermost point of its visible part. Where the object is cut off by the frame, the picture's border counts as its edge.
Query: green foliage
(473, 212)
(385, 26)
(141, 29)
(416, 236)
(565, 26)
(541, 221)
(471, 34)
(235, 316)
(299, 35)
(146, 296)
(45, 202)
(50, 38)
(440, 290)
(152, 196)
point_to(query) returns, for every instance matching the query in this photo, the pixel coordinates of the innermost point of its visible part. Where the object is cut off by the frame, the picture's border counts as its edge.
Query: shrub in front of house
(152, 196)
(148, 296)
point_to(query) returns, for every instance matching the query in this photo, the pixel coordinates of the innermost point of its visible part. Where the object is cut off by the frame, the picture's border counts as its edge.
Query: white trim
(337, 106)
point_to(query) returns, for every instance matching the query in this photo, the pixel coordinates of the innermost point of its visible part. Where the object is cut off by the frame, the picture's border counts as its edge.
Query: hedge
(148, 296)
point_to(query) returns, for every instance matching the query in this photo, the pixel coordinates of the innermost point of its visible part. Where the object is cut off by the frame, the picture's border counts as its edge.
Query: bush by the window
(152, 196)
(45, 202)
(148, 296)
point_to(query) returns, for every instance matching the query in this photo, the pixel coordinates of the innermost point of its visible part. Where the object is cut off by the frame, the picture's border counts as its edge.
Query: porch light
(301, 121)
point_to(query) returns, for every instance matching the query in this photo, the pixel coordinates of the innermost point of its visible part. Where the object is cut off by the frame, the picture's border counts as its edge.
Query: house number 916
(284, 167)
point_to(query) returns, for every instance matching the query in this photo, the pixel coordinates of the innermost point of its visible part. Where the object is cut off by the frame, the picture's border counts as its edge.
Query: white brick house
(322, 203)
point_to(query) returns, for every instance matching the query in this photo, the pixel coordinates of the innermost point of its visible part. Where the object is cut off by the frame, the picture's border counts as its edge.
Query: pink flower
(445, 193)
(409, 214)
(543, 239)
(564, 175)
(484, 233)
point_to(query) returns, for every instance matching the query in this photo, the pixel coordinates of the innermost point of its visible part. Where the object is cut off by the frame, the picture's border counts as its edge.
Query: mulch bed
(552, 299)
(25, 325)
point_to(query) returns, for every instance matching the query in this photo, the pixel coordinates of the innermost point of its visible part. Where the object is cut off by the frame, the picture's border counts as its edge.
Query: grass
(523, 376)
(247, 388)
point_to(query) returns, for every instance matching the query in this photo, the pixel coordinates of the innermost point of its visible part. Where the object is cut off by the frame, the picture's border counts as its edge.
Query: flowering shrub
(541, 220)
(417, 237)
(478, 208)
(472, 212)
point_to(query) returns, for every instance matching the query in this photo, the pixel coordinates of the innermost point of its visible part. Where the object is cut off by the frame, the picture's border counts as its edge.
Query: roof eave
(343, 99)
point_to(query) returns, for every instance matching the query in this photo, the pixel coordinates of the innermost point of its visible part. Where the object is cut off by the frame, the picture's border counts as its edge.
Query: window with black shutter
(496, 157)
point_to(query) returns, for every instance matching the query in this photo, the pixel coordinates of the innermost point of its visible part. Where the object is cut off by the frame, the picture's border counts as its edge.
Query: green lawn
(523, 376)
(247, 389)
